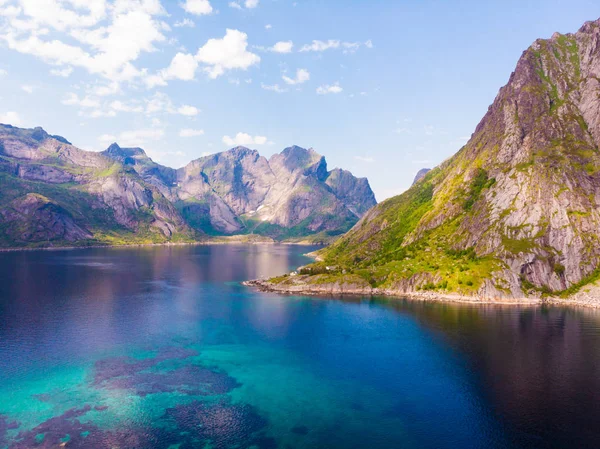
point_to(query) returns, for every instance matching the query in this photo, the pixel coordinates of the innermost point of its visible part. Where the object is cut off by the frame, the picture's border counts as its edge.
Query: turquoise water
(164, 348)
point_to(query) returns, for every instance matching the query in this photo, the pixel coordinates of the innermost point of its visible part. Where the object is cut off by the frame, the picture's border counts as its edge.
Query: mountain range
(54, 194)
(514, 214)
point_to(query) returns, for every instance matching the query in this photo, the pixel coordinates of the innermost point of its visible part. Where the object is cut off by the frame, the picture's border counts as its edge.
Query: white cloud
(189, 111)
(183, 67)
(273, 88)
(268, 26)
(106, 38)
(244, 139)
(334, 88)
(191, 132)
(133, 138)
(197, 7)
(72, 99)
(334, 44)
(228, 53)
(3, 72)
(27, 88)
(105, 90)
(64, 73)
(366, 159)
(250, 4)
(302, 76)
(119, 106)
(282, 47)
(185, 23)
(11, 118)
(321, 45)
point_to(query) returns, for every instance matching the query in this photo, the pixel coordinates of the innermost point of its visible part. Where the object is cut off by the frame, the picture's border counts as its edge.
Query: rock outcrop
(420, 175)
(515, 213)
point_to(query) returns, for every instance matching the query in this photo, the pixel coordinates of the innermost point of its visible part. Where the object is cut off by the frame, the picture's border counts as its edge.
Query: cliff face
(516, 211)
(291, 194)
(54, 193)
(121, 196)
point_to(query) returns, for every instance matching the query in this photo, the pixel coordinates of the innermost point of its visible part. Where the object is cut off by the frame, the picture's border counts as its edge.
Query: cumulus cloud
(133, 138)
(282, 47)
(3, 72)
(321, 45)
(244, 139)
(187, 110)
(191, 132)
(197, 7)
(159, 103)
(64, 73)
(334, 44)
(72, 99)
(228, 53)
(183, 67)
(185, 23)
(250, 4)
(27, 88)
(11, 118)
(273, 88)
(102, 37)
(325, 89)
(302, 76)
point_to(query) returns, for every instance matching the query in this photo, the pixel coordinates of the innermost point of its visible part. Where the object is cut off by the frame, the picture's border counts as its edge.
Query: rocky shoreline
(337, 290)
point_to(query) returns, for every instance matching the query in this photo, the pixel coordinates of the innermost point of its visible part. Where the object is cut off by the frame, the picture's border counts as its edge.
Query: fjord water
(163, 347)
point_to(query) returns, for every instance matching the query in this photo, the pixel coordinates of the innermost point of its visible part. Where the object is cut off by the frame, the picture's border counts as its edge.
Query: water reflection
(538, 366)
(432, 374)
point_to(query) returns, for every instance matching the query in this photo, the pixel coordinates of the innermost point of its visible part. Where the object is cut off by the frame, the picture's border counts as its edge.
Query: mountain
(514, 214)
(56, 194)
(420, 175)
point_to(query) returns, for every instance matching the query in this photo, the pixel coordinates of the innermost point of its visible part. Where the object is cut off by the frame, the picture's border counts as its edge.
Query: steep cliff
(55, 194)
(515, 212)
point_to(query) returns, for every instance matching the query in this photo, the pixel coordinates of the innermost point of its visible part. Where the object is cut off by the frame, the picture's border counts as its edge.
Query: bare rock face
(35, 219)
(421, 174)
(292, 193)
(121, 191)
(516, 211)
(87, 194)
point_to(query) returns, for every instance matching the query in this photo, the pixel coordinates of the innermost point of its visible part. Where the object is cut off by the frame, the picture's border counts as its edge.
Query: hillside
(513, 214)
(54, 194)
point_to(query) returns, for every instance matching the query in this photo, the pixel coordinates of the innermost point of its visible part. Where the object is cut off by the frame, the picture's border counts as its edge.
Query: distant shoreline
(144, 245)
(332, 291)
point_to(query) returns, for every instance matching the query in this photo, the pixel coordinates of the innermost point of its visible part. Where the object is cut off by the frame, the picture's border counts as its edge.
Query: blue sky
(380, 87)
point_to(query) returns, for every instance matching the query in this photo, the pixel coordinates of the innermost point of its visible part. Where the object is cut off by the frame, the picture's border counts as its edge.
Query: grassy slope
(417, 238)
(85, 209)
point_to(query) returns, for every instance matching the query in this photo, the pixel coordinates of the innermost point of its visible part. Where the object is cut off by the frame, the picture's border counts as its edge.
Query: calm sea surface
(164, 348)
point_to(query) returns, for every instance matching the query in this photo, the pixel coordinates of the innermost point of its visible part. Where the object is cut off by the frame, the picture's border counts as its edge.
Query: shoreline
(143, 245)
(337, 291)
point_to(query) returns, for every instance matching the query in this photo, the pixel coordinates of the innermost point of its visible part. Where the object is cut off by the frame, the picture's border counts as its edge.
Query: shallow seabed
(163, 348)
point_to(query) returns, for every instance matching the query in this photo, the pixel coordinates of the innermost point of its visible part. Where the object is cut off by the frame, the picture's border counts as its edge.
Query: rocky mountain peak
(124, 155)
(421, 174)
(515, 212)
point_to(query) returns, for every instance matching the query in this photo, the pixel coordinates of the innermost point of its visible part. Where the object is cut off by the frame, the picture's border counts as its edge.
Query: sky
(382, 88)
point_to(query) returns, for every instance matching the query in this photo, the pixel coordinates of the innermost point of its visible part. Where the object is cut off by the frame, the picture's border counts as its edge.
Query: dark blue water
(164, 348)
